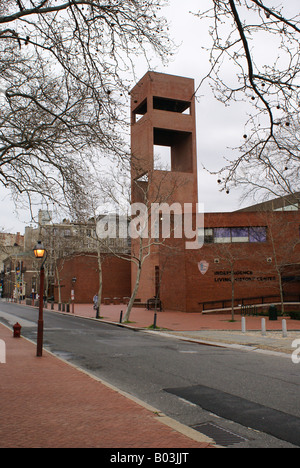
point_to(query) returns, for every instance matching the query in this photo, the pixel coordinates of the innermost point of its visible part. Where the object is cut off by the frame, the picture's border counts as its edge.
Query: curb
(218, 344)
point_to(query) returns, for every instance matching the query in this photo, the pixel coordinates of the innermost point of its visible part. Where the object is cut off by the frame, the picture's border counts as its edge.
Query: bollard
(244, 324)
(263, 327)
(154, 322)
(121, 316)
(284, 329)
(52, 305)
(273, 314)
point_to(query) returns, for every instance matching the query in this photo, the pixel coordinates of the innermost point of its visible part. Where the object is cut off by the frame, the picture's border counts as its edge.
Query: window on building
(222, 235)
(208, 236)
(162, 158)
(139, 111)
(174, 148)
(240, 234)
(257, 234)
(172, 105)
(227, 235)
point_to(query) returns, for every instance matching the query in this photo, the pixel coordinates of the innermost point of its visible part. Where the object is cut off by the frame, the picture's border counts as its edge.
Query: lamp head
(39, 250)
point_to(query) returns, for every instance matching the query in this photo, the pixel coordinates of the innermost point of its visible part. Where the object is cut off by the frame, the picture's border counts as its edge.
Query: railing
(248, 301)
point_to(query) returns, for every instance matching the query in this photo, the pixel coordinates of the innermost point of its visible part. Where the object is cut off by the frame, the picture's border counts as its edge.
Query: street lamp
(73, 293)
(40, 253)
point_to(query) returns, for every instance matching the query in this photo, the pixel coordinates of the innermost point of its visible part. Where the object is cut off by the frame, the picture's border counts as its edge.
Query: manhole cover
(221, 436)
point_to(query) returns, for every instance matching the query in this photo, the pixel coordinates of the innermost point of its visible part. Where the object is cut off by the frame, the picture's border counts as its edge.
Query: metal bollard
(263, 327)
(121, 316)
(284, 329)
(243, 324)
(154, 322)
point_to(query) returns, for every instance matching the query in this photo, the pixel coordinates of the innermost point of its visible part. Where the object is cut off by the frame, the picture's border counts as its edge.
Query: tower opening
(179, 146)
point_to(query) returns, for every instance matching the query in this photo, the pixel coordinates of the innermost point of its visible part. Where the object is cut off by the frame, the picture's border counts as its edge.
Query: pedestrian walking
(95, 300)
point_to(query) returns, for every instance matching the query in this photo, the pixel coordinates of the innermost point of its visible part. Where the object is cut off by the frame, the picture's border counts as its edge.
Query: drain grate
(221, 436)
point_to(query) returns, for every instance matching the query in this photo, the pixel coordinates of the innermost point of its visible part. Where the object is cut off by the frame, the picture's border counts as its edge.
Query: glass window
(208, 236)
(222, 235)
(240, 234)
(236, 234)
(257, 234)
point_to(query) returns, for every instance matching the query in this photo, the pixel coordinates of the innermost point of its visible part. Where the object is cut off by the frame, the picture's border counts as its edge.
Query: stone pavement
(47, 403)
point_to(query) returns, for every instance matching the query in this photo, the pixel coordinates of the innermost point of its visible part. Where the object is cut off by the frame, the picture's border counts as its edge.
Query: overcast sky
(218, 127)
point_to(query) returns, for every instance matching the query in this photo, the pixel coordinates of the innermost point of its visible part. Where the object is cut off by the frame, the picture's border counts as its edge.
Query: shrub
(295, 315)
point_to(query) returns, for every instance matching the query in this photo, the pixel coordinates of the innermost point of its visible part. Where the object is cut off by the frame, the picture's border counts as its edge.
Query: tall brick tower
(163, 120)
(162, 125)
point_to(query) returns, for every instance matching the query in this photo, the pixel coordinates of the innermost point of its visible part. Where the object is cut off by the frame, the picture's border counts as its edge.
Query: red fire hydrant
(17, 330)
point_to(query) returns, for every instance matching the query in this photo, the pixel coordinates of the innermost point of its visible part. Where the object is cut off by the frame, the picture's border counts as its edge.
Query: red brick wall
(116, 278)
(185, 288)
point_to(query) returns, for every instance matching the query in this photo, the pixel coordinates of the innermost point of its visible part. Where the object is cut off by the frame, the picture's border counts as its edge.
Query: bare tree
(283, 236)
(151, 190)
(64, 68)
(261, 44)
(231, 258)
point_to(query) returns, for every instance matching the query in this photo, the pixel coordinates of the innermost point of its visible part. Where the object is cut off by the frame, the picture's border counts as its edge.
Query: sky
(219, 128)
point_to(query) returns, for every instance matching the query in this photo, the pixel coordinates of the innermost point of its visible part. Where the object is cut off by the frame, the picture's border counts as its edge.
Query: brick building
(71, 253)
(251, 256)
(20, 275)
(10, 244)
(115, 276)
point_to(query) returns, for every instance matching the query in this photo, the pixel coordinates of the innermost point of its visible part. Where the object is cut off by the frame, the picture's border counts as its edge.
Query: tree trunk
(134, 293)
(232, 295)
(281, 293)
(58, 283)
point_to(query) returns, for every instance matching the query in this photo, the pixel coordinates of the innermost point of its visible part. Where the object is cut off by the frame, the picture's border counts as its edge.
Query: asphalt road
(240, 399)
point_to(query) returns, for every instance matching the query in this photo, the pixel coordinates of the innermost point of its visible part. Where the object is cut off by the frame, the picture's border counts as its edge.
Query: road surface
(240, 399)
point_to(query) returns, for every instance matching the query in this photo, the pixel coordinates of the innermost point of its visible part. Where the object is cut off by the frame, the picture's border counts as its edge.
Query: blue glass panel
(258, 234)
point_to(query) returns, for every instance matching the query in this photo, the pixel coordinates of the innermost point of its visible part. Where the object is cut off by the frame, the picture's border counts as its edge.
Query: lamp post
(39, 252)
(73, 294)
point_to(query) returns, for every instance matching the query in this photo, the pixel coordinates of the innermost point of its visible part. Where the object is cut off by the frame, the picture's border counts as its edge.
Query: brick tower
(163, 125)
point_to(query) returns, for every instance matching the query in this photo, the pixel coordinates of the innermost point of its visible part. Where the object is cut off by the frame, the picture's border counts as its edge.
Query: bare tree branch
(64, 88)
(261, 44)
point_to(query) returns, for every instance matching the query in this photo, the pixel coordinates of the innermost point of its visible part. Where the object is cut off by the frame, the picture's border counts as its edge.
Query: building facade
(247, 258)
(72, 249)
(251, 256)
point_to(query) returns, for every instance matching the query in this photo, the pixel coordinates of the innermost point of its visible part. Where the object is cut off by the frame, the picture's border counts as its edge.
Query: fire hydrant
(17, 330)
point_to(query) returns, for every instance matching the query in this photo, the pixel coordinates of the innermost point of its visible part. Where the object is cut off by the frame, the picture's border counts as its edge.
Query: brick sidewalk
(181, 321)
(46, 403)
